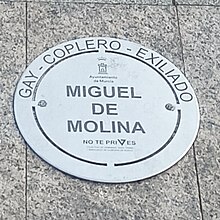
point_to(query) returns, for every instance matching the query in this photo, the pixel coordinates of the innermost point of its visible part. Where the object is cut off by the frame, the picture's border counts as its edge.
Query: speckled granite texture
(188, 36)
(138, 2)
(199, 2)
(200, 30)
(12, 147)
(150, 2)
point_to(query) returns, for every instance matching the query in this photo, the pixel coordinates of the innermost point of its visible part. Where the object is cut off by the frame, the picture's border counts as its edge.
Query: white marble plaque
(106, 110)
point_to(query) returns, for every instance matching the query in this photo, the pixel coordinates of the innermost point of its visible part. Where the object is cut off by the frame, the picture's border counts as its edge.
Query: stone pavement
(188, 34)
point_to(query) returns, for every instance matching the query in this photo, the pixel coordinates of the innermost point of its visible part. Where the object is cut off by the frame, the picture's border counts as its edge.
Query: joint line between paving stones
(194, 154)
(198, 183)
(180, 36)
(107, 3)
(26, 61)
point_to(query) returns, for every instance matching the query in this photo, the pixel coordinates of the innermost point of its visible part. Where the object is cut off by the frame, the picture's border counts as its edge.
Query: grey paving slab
(136, 23)
(11, 1)
(171, 195)
(200, 30)
(12, 148)
(54, 195)
(198, 2)
(148, 2)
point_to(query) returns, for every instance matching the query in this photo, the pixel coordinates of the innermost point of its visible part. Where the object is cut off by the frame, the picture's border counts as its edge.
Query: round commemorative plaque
(106, 110)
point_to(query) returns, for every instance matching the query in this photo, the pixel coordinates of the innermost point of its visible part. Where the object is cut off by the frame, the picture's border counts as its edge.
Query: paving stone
(200, 30)
(198, 2)
(144, 2)
(54, 195)
(148, 2)
(12, 148)
(139, 24)
(171, 195)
